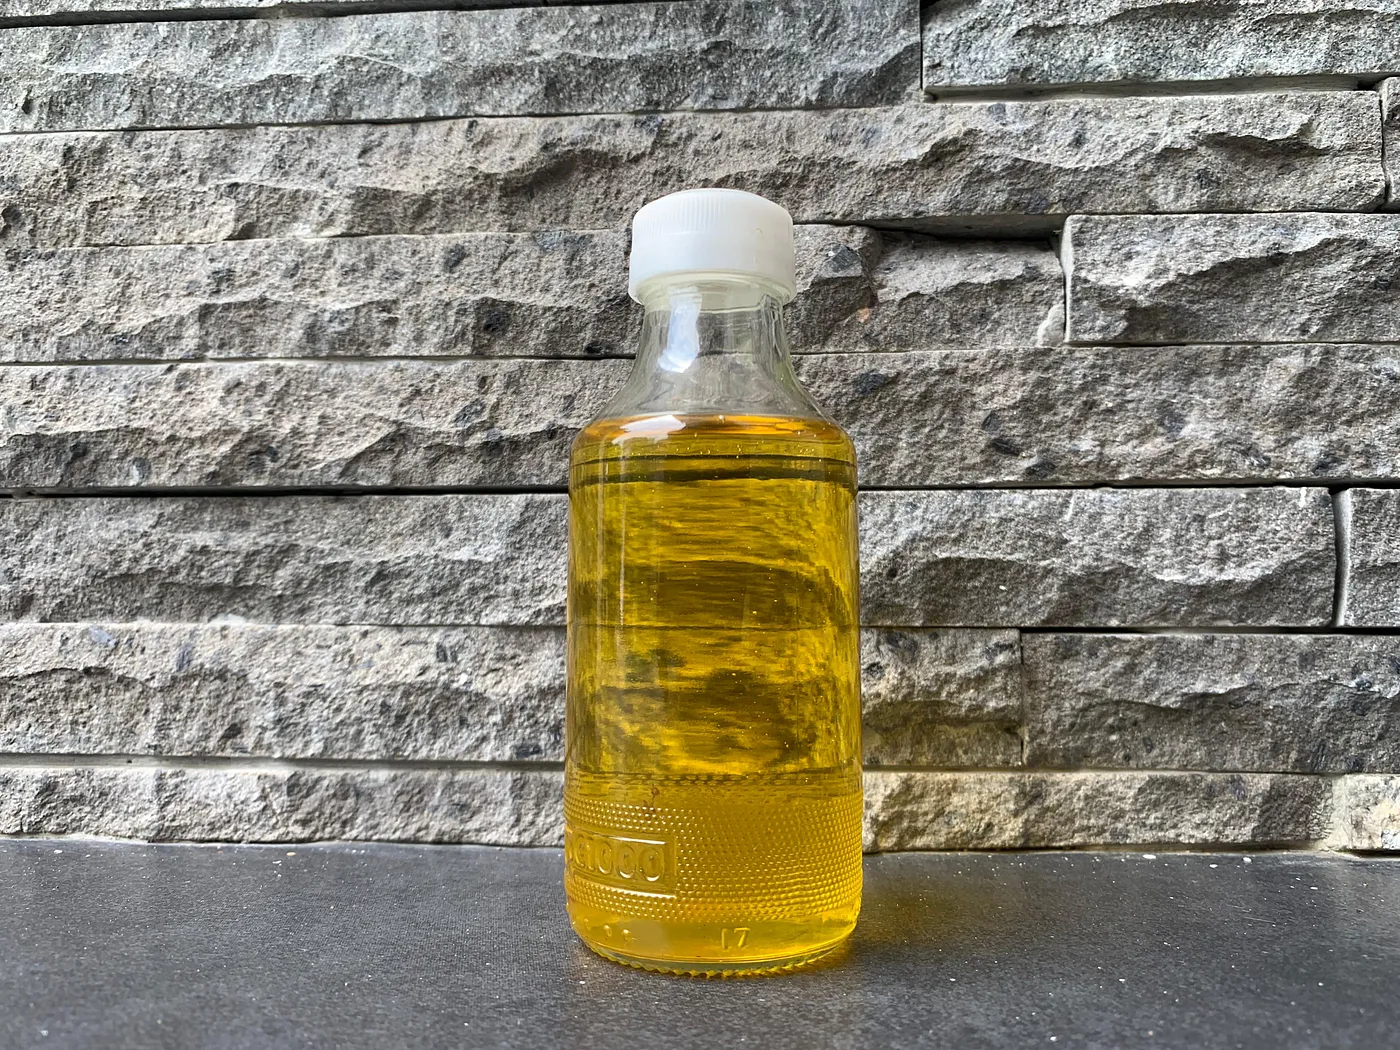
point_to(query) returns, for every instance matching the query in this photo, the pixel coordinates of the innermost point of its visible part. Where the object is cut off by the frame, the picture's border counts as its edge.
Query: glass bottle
(712, 775)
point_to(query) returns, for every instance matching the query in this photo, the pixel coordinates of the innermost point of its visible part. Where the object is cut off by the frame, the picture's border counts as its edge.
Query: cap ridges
(713, 231)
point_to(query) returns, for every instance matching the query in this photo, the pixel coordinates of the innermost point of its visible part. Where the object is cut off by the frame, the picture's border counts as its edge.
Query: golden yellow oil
(712, 788)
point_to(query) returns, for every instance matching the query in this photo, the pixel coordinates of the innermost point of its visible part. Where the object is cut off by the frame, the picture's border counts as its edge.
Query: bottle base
(717, 968)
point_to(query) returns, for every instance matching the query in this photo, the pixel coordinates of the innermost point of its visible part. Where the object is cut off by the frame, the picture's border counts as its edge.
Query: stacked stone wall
(302, 302)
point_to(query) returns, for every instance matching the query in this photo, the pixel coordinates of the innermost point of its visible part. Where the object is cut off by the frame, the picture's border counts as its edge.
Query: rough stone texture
(1007, 165)
(60, 12)
(1390, 112)
(618, 58)
(1044, 810)
(1265, 702)
(1042, 416)
(448, 560)
(1149, 279)
(1173, 557)
(519, 295)
(497, 807)
(361, 299)
(1052, 416)
(1142, 557)
(1366, 813)
(863, 290)
(486, 294)
(904, 810)
(941, 698)
(1045, 43)
(465, 694)
(1097, 557)
(1371, 584)
(493, 422)
(477, 694)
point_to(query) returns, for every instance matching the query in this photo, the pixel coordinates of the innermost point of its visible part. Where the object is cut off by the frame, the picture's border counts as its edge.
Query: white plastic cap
(707, 231)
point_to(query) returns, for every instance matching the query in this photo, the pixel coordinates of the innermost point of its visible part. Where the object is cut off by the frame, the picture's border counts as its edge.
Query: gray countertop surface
(120, 945)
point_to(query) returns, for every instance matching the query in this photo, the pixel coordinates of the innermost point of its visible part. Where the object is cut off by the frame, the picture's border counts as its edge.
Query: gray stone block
(1366, 813)
(1141, 557)
(1284, 278)
(1371, 558)
(1009, 416)
(941, 698)
(298, 424)
(1052, 416)
(1390, 116)
(1030, 44)
(481, 294)
(42, 12)
(476, 694)
(1097, 557)
(904, 810)
(242, 804)
(705, 54)
(454, 560)
(492, 294)
(1025, 810)
(999, 165)
(1177, 557)
(1262, 702)
(916, 292)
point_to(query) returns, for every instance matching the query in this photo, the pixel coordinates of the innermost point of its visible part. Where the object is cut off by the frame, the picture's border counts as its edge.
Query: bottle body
(712, 783)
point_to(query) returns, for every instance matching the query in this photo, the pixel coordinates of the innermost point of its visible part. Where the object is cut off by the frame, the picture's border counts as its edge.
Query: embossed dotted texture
(745, 849)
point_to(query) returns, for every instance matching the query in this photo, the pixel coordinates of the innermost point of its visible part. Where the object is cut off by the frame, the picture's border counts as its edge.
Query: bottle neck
(713, 344)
